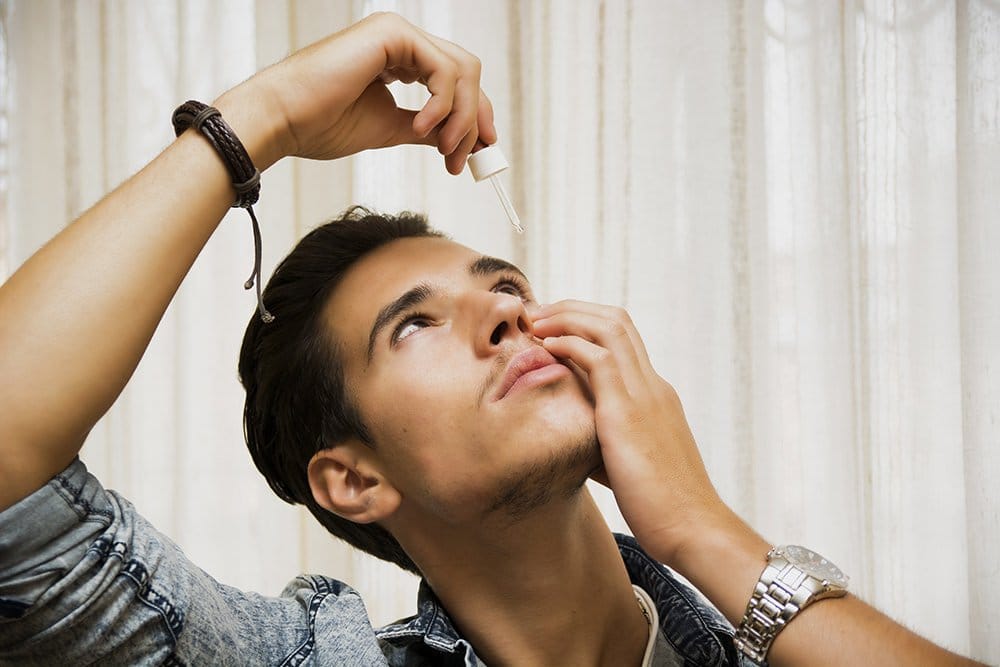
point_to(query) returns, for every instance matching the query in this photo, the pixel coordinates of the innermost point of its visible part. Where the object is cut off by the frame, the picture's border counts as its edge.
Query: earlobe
(344, 480)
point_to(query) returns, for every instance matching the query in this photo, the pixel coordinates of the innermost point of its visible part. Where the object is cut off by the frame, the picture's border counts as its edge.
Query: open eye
(514, 287)
(409, 326)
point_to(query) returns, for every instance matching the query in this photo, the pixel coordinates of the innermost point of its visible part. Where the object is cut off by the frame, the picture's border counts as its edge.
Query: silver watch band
(777, 597)
(769, 609)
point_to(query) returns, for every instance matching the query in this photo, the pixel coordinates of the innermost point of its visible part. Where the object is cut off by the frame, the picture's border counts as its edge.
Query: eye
(513, 286)
(410, 326)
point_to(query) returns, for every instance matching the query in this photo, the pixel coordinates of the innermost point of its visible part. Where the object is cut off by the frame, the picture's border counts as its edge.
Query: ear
(346, 480)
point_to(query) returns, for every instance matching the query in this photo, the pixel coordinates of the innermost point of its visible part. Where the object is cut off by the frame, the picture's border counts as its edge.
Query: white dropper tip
(488, 162)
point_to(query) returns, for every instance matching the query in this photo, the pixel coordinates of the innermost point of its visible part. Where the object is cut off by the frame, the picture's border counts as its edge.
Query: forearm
(76, 318)
(725, 563)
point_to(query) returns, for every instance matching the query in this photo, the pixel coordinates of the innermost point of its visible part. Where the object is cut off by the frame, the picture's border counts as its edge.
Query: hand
(652, 464)
(651, 461)
(330, 99)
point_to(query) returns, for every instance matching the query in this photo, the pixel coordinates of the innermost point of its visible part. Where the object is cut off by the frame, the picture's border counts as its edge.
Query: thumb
(403, 133)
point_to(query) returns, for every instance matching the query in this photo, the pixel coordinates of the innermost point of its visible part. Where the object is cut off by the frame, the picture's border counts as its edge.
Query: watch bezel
(813, 564)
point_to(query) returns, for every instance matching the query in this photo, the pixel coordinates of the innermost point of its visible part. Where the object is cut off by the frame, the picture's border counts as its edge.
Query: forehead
(383, 275)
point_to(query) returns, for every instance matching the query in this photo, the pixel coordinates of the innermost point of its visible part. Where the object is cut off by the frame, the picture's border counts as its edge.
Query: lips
(526, 362)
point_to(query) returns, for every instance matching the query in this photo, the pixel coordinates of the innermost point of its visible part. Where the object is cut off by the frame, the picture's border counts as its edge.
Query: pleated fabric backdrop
(797, 202)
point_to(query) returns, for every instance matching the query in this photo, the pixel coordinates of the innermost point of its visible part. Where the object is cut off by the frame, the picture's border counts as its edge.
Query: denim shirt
(85, 579)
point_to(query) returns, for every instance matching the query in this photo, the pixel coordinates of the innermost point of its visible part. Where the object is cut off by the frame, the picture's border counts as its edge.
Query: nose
(504, 319)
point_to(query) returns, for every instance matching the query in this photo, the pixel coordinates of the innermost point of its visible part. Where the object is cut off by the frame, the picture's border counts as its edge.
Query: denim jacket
(84, 579)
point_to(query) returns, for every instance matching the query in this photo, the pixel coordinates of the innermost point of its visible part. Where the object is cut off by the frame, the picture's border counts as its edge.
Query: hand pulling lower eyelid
(488, 162)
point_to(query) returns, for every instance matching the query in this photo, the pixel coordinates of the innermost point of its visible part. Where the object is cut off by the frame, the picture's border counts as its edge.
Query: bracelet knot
(244, 175)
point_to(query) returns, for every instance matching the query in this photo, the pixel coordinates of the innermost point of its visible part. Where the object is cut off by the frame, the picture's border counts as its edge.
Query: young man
(413, 394)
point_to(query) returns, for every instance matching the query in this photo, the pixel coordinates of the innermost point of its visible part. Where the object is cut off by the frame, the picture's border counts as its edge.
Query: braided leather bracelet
(245, 177)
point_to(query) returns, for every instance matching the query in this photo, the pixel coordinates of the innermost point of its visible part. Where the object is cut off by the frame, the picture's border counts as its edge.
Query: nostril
(498, 333)
(523, 325)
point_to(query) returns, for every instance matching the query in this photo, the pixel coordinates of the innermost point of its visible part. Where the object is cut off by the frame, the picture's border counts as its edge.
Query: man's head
(381, 390)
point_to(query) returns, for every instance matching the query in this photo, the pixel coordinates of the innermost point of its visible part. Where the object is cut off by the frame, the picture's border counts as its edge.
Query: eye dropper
(488, 162)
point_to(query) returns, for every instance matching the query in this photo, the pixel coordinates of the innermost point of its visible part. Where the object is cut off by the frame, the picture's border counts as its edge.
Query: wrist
(690, 528)
(249, 110)
(711, 534)
(722, 557)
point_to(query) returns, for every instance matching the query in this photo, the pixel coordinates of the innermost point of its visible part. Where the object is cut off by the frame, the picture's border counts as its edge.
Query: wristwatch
(793, 578)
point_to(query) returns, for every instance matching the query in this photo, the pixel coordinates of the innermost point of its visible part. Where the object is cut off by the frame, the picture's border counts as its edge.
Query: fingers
(612, 313)
(395, 124)
(463, 114)
(329, 100)
(458, 111)
(442, 86)
(487, 130)
(610, 339)
(599, 364)
(618, 321)
(455, 161)
(403, 131)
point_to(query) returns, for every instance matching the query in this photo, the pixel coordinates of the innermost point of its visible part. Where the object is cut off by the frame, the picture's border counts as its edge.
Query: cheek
(433, 459)
(422, 416)
(414, 399)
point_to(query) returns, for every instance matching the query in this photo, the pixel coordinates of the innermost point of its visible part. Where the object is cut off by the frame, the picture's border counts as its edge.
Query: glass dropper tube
(508, 205)
(488, 162)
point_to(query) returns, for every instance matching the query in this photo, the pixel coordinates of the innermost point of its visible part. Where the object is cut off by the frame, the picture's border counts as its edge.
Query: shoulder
(80, 567)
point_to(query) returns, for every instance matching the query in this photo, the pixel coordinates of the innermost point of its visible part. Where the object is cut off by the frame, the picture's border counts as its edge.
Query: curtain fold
(797, 202)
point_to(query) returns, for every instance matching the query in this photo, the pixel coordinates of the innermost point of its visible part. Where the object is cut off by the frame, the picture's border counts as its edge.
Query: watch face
(815, 565)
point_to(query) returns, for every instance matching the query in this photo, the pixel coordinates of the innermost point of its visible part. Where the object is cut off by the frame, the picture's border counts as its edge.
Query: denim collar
(431, 624)
(696, 632)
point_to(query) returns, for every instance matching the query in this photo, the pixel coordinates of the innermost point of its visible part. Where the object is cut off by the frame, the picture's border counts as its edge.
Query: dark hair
(297, 403)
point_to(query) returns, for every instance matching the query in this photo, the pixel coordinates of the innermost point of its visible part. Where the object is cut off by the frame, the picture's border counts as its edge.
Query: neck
(547, 590)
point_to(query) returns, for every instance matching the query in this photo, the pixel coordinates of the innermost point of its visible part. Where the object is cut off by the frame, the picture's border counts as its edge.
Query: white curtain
(797, 202)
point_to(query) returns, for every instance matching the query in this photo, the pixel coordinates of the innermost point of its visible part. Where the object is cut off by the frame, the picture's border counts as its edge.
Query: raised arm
(652, 464)
(76, 318)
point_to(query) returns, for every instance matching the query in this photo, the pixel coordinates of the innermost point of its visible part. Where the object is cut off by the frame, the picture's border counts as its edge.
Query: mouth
(531, 367)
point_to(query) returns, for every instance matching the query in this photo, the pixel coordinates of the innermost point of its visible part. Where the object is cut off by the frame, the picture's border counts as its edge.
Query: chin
(570, 424)
(554, 466)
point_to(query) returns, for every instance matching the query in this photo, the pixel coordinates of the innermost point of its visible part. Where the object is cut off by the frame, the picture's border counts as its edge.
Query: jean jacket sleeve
(85, 579)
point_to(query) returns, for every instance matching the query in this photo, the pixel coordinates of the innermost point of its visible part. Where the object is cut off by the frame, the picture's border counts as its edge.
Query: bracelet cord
(245, 177)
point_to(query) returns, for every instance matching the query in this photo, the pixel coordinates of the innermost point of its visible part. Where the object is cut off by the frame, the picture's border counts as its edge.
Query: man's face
(432, 335)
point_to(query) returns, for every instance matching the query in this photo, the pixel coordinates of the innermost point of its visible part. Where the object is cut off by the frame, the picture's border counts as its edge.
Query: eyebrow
(478, 268)
(486, 266)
